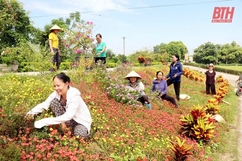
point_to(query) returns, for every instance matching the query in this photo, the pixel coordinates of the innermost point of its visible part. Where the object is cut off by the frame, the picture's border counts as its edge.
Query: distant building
(188, 58)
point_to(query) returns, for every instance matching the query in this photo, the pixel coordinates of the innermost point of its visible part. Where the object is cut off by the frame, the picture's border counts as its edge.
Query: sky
(144, 25)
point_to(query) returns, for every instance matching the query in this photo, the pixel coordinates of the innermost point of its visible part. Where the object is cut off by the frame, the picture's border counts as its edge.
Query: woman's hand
(30, 116)
(64, 128)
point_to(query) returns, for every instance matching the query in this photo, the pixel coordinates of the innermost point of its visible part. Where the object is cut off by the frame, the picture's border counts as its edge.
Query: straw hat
(133, 74)
(55, 27)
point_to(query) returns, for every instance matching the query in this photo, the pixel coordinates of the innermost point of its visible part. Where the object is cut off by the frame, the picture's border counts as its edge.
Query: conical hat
(133, 74)
(55, 27)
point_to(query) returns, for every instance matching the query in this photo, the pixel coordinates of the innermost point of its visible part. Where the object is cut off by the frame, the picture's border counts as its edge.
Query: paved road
(230, 77)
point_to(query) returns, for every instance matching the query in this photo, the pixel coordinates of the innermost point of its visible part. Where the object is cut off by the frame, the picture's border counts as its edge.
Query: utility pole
(124, 45)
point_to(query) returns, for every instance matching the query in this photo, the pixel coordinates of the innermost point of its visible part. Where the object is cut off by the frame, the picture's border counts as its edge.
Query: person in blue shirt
(100, 50)
(174, 76)
(159, 85)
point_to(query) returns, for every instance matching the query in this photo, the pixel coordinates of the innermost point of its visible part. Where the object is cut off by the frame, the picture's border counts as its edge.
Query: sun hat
(133, 74)
(211, 65)
(55, 27)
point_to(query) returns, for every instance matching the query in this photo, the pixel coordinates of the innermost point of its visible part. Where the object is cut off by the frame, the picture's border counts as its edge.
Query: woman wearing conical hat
(136, 84)
(54, 45)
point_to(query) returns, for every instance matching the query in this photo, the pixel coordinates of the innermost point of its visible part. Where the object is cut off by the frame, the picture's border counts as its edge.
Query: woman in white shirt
(136, 84)
(68, 107)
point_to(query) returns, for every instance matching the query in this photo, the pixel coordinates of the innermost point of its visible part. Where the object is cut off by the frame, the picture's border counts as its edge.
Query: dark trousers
(210, 87)
(143, 99)
(56, 58)
(103, 59)
(176, 87)
(170, 99)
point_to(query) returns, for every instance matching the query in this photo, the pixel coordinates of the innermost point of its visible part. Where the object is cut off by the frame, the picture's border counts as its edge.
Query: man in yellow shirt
(54, 45)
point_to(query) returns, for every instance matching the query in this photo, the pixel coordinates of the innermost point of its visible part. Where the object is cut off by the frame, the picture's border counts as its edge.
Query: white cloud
(66, 6)
(49, 8)
(61, 7)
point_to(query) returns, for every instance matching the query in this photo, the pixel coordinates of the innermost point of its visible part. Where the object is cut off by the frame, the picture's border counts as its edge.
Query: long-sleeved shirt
(75, 109)
(175, 69)
(160, 86)
(138, 87)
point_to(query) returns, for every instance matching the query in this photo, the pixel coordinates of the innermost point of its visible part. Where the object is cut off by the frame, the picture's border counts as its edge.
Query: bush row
(45, 66)
(41, 66)
(218, 69)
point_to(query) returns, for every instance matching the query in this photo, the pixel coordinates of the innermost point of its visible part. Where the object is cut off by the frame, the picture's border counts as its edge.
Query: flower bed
(120, 131)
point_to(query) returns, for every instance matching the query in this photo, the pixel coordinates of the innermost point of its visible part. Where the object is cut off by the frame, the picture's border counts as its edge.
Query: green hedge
(111, 65)
(65, 65)
(41, 66)
(153, 63)
(230, 64)
(218, 69)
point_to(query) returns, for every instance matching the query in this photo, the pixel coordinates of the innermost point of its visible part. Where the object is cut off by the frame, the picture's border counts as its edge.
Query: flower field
(122, 128)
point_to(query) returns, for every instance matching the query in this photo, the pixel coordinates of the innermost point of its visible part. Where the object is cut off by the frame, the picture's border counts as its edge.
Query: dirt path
(232, 79)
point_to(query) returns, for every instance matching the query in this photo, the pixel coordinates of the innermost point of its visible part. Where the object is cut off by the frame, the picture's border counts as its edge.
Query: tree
(160, 49)
(230, 53)
(111, 56)
(206, 53)
(141, 53)
(15, 26)
(167, 50)
(176, 47)
(215, 53)
(122, 58)
(76, 37)
(41, 36)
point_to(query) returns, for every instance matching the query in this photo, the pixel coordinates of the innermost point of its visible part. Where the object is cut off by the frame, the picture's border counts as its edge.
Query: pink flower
(78, 51)
(79, 34)
(88, 22)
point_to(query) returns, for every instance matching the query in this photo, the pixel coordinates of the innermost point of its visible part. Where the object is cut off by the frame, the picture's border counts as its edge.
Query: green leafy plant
(204, 129)
(78, 38)
(197, 124)
(187, 123)
(212, 108)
